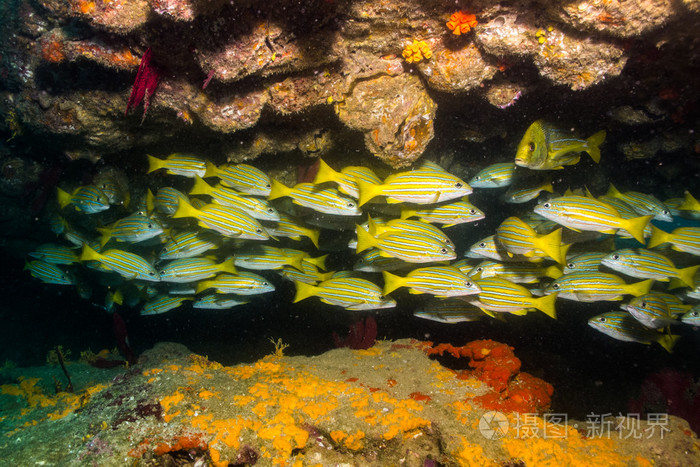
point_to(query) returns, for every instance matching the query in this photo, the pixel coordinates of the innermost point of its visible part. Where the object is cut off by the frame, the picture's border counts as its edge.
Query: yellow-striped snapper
(427, 184)
(489, 248)
(519, 195)
(519, 238)
(168, 199)
(178, 164)
(621, 326)
(88, 199)
(583, 213)
(494, 176)
(162, 304)
(373, 261)
(443, 281)
(134, 228)
(49, 273)
(458, 212)
(520, 273)
(264, 257)
(116, 193)
(650, 310)
(242, 177)
(449, 311)
(243, 283)
(377, 228)
(327, 200)
(348, 292)
(185, 270)
(216, 301)
(591, 286)
(291, 227)
(584, 262)
(126, 264)
(503, 296)
(345, 178)
(55, 254)
(407, 246)
(256, 207)
(546, 147)
(188, 244)
(646, 264)
(226, 220)
(686, 239)
(309, 273)
(642, 203)
(692, 317)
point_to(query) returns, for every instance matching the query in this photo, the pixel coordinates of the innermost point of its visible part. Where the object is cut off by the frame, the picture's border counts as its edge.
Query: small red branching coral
(145, 84)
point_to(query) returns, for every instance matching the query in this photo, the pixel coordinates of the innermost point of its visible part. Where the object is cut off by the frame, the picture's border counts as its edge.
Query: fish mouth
(520, 162)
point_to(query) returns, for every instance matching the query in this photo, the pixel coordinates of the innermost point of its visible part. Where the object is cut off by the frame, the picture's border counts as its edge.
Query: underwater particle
(417, 51)
(461, 23)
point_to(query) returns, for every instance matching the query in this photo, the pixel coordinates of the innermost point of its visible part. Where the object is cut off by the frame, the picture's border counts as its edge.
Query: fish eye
(696, 313)
(472, 211)
(571, 265)
(665, 212)
(270, 210)
(443, 251)
(478, 177)
(268, 186)
(351, 205)
(555, 285)
(482, 245)
(151, 274)
(616, 257)
(531, 146)
(546, 205)
(468, 284)
(458, 185)
(643, 304)
(150, 226)
(258, 231)
(265, 284)
(382, 297)
(601, 319)
(479, 269)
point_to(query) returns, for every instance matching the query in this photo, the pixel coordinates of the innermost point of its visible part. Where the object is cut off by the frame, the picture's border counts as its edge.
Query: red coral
(361, 335)
(145, 84)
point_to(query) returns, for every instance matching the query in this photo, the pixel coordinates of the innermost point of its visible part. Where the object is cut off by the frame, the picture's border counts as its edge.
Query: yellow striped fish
(55, 254)
(242, 177)
(520, 273)
(428, 184)
(519, 195)
(584, 213)
(459, 212)
(350, 293)
(686, 239)
(590, 286)
(294, 228)
(162, 304)
(48, 273)
(188, 244)
(256, 207)
(692, 317)
(243, 283)
(519, 238)
(309, 273)
(126, 264)
(443, 281)
(216, 301)
(186, 270)
(584, 262)
(168, 199)
(327, 200)
(410, 247)
(646, 264)
(651, 310)
(134, 228)
(621, 326)
(449, 311)
(264, 257)
(226, 220)
(643, 204)
(406, 226)
(373, 261)
(489, 248)
(503, 296)
(345, 178)
(88, 199)
(178, 164)
(494, 176)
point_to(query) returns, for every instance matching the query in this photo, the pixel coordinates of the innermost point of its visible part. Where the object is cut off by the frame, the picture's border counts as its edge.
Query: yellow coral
(417, 51)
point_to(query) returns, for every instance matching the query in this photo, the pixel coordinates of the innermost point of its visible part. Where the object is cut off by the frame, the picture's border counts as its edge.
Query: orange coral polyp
(461, 23)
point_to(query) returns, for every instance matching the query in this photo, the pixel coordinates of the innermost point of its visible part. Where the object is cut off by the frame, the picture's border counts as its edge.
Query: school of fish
(209, 245)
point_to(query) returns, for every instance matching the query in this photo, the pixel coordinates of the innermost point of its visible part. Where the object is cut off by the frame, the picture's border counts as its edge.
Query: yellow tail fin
(278, 190)
(154, 163)
(667, 341)
(546, 304)
(407, 213)
(392, 282)
(303, 291)
(185, 209)
(325, 173)
(636, 226)
(613, 192)
(592, 145)
(658, 237)
(106, 235)
(88, 254)
(551, 245)
(200, 187)
(367, 191)
(686, 275)
(64, 198)
(364, 239)
(211, 170)
(640, 288)
(319, 262)
(118, 297)
(228, 266)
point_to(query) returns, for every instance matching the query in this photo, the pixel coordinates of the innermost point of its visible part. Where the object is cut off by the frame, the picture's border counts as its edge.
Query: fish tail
(296, 260)
(592, 144)
(546, 304)
(118, 297)
(640, 288)
(303, 291)
(185, 209)
(106, 235)
(200, 187)
(689, 203)
(686, 275)
(392, 282)
(364, 239)
(548, 187)
(367, 191)
(325, 173)
(636, 226)
(64, 198)
(406, 213)
(551, 245)
(278, 190)
(658, 237)
(319, 262)
(88, 254)
(554, 272)
(613, 192)
(211, 170)
(154, 163)
(668, 341)
(150, 202)
(229, 266)
(202, 286)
